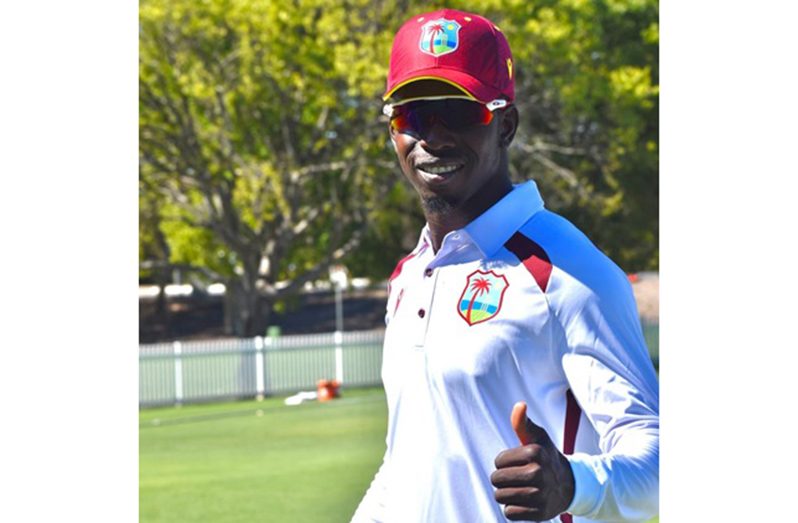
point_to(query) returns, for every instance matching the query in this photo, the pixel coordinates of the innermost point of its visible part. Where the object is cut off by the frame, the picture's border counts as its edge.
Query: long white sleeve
(611, 376)
(621, 483)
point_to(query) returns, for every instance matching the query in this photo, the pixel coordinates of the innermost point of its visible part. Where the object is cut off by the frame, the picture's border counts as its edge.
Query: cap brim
(466, 83)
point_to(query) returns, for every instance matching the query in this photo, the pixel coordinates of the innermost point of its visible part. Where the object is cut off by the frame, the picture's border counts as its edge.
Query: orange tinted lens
(487, 116)
(400, 123)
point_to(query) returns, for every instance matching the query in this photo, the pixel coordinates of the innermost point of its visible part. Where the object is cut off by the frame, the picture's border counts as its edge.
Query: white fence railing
(198, 371)
(236, 368)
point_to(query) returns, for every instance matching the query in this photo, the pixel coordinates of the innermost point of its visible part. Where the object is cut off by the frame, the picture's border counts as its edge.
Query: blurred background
(272, 211)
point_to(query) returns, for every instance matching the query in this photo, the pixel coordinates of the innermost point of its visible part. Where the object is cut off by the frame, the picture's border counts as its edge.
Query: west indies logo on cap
(439, 37)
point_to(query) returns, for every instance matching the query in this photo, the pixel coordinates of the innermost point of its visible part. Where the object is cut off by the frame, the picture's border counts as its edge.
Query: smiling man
(518, 382)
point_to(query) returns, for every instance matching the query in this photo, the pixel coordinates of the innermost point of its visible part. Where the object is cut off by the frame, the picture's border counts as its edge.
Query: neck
(442, 219)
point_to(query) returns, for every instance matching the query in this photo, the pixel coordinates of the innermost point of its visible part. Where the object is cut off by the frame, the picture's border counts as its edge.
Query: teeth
(440, 169)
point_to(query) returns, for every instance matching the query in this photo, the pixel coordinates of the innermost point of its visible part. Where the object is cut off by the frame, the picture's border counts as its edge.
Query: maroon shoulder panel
(398, 269)
(532, 256)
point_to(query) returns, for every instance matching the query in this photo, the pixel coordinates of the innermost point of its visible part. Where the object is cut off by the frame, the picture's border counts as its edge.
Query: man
(503, 309)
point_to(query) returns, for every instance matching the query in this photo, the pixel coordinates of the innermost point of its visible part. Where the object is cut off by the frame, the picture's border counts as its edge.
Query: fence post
(268, 342)
(259, 382)
(339, 357)
(178, 351)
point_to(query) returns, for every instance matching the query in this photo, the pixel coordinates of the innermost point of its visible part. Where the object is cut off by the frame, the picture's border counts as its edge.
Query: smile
(440, 169)
(438, 173)
(435, 175)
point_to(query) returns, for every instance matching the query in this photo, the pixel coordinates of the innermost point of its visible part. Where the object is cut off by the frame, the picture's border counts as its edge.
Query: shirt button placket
(427, 285)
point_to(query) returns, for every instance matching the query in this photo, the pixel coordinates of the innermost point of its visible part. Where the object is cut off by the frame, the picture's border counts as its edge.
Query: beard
(437, 205)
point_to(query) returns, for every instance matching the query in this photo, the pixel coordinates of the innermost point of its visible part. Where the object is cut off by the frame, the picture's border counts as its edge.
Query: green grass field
(260, 461)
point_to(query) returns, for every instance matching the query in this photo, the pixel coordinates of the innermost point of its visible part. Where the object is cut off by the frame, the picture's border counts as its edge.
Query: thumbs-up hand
(533, 481)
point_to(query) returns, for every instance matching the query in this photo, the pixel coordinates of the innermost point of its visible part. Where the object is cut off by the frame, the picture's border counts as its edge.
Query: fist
(534, 481)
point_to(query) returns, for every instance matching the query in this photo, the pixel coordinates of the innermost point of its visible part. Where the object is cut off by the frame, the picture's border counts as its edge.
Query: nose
(437, 137)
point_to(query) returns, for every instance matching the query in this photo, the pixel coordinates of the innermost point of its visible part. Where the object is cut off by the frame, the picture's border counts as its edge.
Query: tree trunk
(246, 312)
(162, 312)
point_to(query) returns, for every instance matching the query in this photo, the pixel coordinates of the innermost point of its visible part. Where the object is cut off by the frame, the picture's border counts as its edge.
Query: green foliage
(587, 89)
(259, 131)
(195, 245)
(245, 94)
(394, 231)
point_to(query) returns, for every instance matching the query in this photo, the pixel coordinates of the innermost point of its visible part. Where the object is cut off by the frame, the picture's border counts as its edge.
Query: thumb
(524, 428)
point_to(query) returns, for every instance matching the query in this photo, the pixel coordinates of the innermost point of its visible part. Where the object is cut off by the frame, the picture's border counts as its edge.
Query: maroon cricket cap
(462, 49)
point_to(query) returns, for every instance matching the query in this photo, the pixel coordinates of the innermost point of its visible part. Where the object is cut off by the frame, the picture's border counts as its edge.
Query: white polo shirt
(518, 305)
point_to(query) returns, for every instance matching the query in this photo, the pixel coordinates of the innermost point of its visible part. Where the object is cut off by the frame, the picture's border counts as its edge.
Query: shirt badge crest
(482, 297)
(439, 37)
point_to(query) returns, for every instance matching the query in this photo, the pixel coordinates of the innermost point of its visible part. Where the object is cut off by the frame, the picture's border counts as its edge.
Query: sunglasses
(454, 113)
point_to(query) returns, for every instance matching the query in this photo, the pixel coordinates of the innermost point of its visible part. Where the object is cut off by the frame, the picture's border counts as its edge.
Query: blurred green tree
(259, 129)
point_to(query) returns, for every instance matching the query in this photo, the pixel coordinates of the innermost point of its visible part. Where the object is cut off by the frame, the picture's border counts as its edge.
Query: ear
(508, 125)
